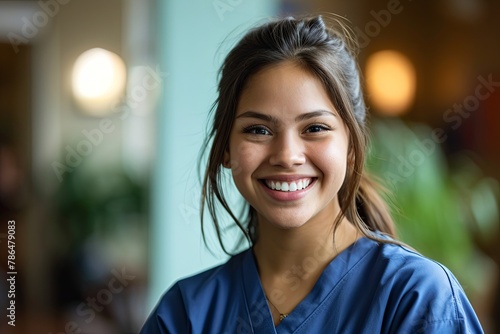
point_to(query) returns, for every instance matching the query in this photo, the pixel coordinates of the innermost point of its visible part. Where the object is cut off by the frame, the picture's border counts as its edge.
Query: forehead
(284, 88)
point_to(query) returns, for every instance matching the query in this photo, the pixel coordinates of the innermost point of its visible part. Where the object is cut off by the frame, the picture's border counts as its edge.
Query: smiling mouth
(289, 186)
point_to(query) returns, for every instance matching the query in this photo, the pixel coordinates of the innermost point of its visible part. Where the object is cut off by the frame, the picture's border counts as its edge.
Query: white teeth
(288, 186)
(284, 186)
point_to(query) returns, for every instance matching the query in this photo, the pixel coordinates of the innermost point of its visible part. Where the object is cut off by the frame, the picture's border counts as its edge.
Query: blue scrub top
(368, 288)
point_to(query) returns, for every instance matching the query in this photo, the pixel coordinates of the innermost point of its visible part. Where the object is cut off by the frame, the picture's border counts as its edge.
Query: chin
(286, 223)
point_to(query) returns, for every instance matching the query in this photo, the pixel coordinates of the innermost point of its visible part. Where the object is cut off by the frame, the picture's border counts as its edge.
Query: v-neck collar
(258, 310)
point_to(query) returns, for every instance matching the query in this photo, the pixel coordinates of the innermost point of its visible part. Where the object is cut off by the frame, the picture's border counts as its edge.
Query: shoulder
(422, 294)
(405, 263)
(413, 275)
(193, 295)
(197, 286)
(402, 268)
(406, 274)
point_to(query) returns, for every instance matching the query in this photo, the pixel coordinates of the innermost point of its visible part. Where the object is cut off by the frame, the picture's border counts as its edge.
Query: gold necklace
(282, 315)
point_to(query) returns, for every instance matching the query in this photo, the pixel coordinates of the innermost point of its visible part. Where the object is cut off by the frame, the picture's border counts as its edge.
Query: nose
(287, 151)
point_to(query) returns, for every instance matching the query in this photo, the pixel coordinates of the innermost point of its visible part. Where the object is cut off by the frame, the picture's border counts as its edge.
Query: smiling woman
(289, 124)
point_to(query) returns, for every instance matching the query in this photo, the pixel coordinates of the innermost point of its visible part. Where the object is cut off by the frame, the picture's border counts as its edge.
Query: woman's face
(288, 147)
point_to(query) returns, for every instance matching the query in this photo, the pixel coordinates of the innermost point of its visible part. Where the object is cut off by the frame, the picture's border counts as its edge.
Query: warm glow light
(98, 80)
(391, 82)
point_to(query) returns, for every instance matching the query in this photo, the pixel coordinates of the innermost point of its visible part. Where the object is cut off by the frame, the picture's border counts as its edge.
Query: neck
(310, 246)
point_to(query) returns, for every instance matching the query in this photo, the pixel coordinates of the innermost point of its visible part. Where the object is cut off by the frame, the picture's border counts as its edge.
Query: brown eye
(257, 130)
(317, 128)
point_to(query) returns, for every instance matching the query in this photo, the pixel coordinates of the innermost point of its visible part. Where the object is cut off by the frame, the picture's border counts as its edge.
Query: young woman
(290, 125)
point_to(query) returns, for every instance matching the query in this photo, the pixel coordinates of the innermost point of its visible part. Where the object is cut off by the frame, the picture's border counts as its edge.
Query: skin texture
(287, 127)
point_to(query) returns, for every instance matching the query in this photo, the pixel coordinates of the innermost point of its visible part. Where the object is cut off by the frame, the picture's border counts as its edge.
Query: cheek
(331, 159)
(243, 159)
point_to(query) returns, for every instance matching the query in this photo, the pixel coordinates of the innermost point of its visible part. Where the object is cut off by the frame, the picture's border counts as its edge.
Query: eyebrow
(315, 113)
(271, 119)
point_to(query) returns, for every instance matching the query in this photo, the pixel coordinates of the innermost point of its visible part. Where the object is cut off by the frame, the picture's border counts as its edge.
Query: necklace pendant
(283, 316)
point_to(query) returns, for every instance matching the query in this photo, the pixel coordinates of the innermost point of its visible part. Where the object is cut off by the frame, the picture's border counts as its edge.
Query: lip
(287, 196)
(287, 178)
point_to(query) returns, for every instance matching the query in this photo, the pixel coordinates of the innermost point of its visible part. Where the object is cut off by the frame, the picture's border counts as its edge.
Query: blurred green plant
(440, 208)
(102, 202)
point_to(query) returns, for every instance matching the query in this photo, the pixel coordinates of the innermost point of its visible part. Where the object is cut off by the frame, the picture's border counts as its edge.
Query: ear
(227, 159)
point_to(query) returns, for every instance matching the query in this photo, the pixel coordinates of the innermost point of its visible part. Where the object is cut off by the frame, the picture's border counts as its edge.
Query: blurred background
(103, 109)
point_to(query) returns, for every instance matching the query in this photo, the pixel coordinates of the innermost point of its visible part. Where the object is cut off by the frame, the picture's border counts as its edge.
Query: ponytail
(372, 209)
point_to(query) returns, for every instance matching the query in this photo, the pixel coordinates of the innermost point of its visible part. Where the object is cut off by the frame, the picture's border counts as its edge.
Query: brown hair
(324, 52)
